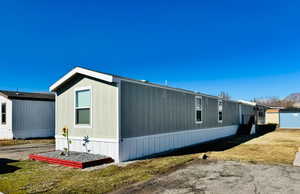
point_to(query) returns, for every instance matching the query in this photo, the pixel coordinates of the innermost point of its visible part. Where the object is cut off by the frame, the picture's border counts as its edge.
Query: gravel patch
(74, 156)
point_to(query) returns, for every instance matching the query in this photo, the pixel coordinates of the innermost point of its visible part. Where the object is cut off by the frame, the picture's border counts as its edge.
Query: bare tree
(275, 101)
(225, 95)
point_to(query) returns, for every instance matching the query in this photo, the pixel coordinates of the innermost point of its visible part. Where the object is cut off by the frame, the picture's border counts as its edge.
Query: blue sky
(248, 49)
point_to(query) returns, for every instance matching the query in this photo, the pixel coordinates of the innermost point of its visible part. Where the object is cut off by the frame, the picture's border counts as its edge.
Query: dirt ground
(21, 152)
(219, 177)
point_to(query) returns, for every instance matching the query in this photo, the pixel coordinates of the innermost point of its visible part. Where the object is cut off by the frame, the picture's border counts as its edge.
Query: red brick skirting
(70, 163)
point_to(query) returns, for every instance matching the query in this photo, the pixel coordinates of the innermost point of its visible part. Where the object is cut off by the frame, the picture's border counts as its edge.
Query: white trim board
(91, 138)
(83, 71)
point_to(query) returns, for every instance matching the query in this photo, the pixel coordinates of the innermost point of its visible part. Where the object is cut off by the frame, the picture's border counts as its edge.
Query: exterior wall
(261, 114)
(104, 109)
(272, 118)
(6, 130)
(289, 120)
(32, 119)
(147, 110)
(246, 112)
(155, 120)
(103, 133)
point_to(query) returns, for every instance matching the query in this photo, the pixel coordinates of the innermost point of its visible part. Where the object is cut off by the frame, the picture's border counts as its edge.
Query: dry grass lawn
(276, 147)
(20, 141)
(35, 177)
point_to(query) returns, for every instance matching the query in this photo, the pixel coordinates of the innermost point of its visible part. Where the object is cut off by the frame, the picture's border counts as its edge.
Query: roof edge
(116, 79)
(83, 71)
(4, 95)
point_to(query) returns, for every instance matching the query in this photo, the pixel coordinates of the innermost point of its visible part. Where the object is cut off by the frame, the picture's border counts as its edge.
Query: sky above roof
(248, 49)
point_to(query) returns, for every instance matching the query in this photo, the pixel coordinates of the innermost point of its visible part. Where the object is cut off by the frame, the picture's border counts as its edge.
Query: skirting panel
(6, 134)
(138, 147)
(107, 147)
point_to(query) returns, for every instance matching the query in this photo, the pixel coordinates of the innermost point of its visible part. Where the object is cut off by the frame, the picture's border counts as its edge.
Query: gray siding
(31, 119)
(247, 112)
(147, 110)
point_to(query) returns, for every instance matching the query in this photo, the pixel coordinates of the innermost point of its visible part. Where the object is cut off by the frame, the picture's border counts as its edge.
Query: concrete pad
(21, 152)
(297, 159)
(222, 177)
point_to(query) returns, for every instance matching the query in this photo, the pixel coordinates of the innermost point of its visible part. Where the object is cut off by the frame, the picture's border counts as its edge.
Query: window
(83, 107)
(198, 109)
(3, 113)
(261, 114)
(220, 111)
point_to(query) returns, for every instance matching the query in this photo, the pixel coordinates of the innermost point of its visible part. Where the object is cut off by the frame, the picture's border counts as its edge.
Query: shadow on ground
(5, 167)
(220, 144)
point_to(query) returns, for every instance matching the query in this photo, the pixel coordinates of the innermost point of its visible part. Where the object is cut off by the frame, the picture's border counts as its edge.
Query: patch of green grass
(36, 177)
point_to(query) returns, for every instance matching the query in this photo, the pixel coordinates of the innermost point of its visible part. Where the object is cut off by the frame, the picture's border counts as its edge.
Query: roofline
(289, 110)
(76, 70)
(116, 79)
(31, 99)
(26, 98)
(2, 94)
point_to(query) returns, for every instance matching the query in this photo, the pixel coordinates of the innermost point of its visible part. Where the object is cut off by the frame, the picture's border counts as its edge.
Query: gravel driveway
(21, 152)
(219, 177)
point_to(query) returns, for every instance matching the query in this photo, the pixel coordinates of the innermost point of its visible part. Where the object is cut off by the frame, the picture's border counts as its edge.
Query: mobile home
(289, 118)
(26, 115)
(127, 119)
(272, 116)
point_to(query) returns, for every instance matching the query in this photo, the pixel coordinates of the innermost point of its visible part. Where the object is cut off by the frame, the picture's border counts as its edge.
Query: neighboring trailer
(128, 119)
(272, 116)
(26, 115)
(289, 119)
(5, 118)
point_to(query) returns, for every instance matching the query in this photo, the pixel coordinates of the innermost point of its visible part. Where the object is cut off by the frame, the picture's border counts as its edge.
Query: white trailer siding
(33, 119)
(6, 129)
(138, 147)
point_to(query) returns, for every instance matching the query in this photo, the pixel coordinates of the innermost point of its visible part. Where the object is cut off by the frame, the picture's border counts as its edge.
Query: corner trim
(110, 140)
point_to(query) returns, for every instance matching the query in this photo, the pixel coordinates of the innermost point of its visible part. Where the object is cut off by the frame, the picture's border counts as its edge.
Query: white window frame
(198, 109)
(91, 107)
(220, 110)
(5, 104)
